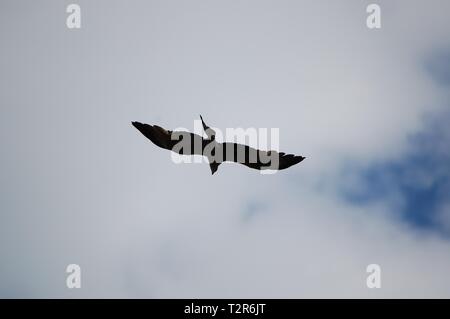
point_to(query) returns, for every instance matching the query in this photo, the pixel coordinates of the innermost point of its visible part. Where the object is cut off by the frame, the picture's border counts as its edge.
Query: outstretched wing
(184, 143)
(156, 134)
(287, 160)
(258, 159)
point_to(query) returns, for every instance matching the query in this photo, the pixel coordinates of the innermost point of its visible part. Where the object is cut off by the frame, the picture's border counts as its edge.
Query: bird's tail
(213, 166)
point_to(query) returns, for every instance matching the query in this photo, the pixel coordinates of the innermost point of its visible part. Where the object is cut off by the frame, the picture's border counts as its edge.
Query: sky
(369, 108)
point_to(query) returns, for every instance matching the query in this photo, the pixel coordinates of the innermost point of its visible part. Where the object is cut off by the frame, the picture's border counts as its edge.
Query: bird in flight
(186, 143)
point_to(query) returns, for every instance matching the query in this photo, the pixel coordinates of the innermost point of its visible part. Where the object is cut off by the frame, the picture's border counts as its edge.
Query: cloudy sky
(368, 108)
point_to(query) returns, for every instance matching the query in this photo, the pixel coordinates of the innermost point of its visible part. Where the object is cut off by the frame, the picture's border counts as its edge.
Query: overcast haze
(368, 108)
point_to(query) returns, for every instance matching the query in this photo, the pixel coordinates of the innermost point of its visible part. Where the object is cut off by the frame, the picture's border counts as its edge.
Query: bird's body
(186, 143)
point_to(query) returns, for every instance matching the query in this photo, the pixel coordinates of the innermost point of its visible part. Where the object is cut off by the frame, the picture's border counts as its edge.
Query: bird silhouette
(186, 143)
